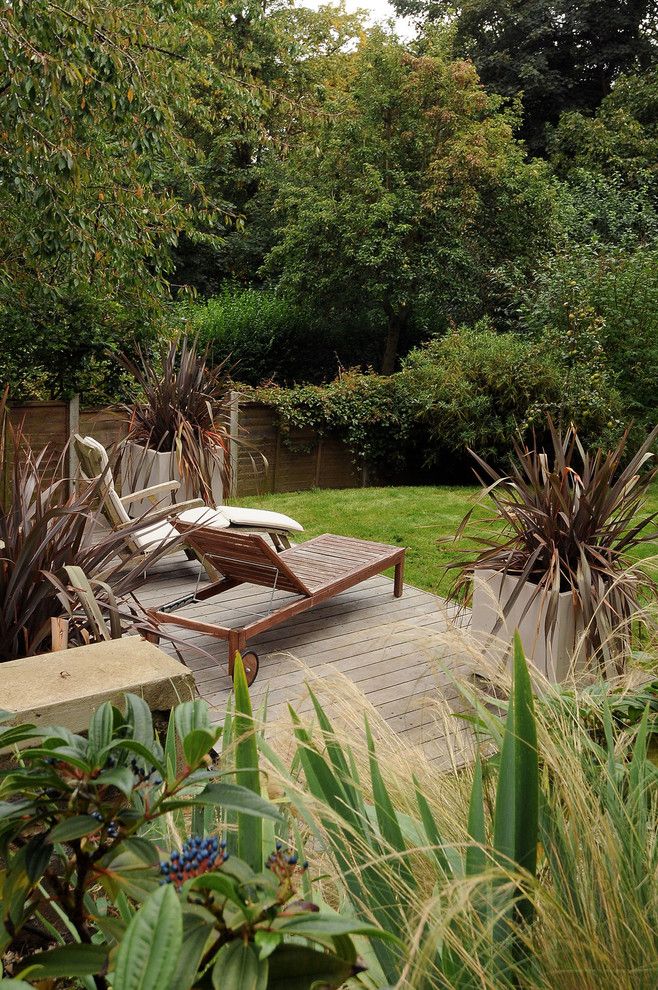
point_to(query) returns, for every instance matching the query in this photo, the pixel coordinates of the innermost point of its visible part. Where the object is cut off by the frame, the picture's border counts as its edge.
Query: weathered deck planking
(399, 652)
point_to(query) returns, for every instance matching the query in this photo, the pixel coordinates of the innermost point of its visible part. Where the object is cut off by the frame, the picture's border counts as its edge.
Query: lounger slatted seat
(314, 571)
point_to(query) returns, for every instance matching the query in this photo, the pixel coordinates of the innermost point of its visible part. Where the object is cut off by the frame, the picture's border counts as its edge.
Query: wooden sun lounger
(315, 571)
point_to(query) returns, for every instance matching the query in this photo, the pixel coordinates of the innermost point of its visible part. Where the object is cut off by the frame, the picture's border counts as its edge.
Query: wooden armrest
(191, 503)
(152, 491)
(162, 513)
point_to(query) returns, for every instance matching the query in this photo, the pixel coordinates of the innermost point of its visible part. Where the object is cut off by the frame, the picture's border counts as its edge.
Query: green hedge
(472, 388)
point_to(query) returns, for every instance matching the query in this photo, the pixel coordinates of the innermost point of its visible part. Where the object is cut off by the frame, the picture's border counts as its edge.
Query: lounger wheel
(251, 665)
(152, 637)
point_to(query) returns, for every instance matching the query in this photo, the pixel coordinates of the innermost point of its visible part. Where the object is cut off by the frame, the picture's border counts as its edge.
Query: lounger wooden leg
(398, 585)
(236, 644)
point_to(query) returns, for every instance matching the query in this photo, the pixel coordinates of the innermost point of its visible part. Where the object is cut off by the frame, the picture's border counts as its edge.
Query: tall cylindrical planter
(142, 467)
(558, 655)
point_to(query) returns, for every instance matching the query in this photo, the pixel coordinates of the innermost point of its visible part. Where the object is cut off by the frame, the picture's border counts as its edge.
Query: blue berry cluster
(198, 856)
(141, 773)
(112, 828)
(283, 865)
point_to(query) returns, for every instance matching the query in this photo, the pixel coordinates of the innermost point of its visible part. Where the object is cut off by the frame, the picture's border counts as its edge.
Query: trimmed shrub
(264, 337)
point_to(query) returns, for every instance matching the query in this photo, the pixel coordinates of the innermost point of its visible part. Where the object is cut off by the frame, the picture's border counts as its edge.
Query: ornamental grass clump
(568, 520)
(179, 411)
(532, 865)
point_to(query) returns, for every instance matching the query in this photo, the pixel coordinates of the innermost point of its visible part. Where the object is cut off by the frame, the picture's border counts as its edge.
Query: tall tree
(272, 60)
(397, 204)
(96, 179)
(559, 54)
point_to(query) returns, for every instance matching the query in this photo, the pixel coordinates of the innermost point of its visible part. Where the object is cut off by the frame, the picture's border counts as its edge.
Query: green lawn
(413, 517)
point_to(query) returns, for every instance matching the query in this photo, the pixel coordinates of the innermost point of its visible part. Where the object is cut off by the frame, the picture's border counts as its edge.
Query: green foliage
(473, 388)
(96, 181)
(49, 570)
(83, 826)
(60, 341)
(384, 203)
(557, 56)
(361, 828)
(619, 141)
(615, 290)
(373, 414)
(262, 336)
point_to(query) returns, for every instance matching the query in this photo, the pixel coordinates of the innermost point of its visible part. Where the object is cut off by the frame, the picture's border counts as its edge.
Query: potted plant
(557, 563)
(177, 428)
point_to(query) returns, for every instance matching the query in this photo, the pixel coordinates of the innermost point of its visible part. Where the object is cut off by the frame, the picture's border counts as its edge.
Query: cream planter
(558, 656)
(142, 467)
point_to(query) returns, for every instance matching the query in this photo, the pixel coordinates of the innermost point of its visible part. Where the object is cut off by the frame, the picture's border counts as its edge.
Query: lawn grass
(415, 517)
(411, 517)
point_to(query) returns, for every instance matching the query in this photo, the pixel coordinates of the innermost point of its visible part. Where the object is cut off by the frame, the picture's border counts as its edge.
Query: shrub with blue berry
(88, 894)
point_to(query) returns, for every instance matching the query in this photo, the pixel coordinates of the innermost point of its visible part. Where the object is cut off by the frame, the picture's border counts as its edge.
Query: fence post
(234, 426)
(72, 427)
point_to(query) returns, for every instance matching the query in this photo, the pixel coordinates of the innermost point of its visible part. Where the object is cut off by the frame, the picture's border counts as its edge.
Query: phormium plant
(568, 520)
(178, 411)
(48, 570)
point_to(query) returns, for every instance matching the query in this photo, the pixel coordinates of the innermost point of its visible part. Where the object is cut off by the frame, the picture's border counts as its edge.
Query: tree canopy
(558, 55)
(385, 204)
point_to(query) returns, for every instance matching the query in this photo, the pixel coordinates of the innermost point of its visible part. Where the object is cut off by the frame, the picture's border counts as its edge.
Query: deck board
(402, 653)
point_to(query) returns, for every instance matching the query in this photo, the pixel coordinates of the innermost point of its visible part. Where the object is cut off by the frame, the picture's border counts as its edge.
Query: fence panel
(263, 458)
(296, 462)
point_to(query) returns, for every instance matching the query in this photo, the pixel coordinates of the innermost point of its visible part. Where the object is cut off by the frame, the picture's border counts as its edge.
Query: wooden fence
(264, 458)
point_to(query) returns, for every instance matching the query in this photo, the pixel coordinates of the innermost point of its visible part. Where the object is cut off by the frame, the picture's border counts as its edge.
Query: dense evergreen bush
(619, 288)
(57, 343)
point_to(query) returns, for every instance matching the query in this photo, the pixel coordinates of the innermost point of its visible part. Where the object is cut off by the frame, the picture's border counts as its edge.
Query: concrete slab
(65, 688)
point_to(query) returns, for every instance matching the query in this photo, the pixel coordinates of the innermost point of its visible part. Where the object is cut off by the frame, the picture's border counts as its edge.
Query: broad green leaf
(196, 745)
(197, 929)
(323, 925)
(250, 833)
(231, 796)
(298, 967)
(138, 716)
(66, 961)
(237, 967)
(148, 955)
(100, 728)
(73, 828)
(120, 777)
(387, 819)
(266, 942)
(517, 795)
(476, 858)
(191, 715)
(431, 831)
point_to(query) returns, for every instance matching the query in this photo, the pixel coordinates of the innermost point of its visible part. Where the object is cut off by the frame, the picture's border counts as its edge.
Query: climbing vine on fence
(372, 414)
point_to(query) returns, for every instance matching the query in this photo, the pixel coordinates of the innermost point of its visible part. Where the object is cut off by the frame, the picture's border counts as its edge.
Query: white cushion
(151, 537)
(205, 516)
(156, 533)
(259, 518)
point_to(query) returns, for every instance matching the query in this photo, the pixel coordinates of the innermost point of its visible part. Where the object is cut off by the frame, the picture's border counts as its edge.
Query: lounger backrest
(94, 463)
(245, 557)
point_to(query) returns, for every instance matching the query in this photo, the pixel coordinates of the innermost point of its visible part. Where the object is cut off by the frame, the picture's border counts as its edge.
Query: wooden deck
(403, 653)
